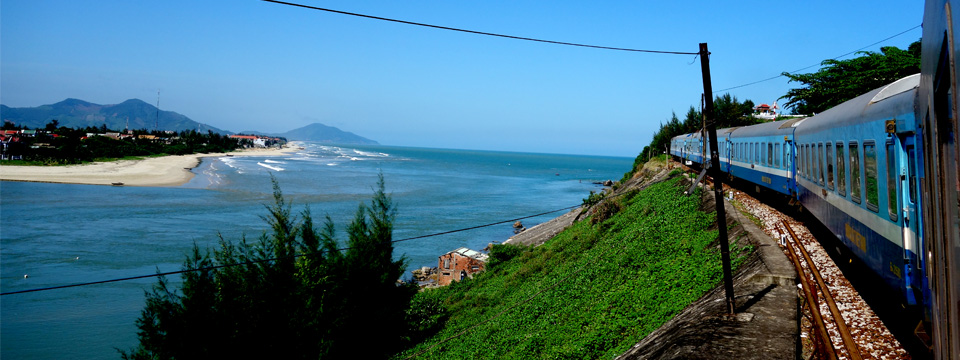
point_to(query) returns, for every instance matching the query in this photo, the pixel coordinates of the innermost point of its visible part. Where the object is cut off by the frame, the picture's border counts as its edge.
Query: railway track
(860, 334)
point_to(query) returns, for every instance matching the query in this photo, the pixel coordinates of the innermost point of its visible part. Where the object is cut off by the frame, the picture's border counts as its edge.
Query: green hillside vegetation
(591, 292)
(65, 146)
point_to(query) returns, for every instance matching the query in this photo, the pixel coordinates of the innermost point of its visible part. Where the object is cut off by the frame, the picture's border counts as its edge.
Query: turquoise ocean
(61, 234)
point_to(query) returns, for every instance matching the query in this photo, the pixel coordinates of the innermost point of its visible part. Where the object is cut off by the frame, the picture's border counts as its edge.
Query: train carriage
(726, 149)
(853, 168)
(688, 147)
(937, 132)
(763, 154)
(881, 171)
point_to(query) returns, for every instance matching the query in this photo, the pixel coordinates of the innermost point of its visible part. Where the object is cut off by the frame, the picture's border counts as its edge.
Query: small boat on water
(117, 184)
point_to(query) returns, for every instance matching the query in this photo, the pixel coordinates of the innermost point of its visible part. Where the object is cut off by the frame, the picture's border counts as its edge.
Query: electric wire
(818, 64)
(158, 274)
(480, 32)
(576, 44)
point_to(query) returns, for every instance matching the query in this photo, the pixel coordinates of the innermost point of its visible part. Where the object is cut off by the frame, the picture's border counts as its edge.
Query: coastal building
(255, 141)
(460, 264)
(11, 148)
(765, 111)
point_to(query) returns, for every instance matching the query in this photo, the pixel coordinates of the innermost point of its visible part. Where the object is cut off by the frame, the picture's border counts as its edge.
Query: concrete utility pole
(717, 177)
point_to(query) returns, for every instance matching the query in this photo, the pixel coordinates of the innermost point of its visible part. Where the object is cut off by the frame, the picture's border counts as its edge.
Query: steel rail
(848, 342)
(825, 345)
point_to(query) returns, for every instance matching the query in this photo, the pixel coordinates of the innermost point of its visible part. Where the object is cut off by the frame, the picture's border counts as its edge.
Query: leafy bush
(500, 253)
(424, 317)
(605, 210)
(593, 198)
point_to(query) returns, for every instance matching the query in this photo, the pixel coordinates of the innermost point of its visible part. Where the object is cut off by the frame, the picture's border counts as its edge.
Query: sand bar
(173, 170)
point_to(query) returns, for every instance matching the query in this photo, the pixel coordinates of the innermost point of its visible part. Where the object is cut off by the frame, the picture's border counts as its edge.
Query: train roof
(781, 127)
(889, 101)
(724, 131)
(695, 135)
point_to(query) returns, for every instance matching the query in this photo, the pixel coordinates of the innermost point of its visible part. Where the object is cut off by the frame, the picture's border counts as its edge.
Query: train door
(789, 155)
(728, 155)
(911, 217)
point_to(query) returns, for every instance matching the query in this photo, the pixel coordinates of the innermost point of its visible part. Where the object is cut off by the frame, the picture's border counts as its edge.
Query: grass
(743, 211)
(591, 292)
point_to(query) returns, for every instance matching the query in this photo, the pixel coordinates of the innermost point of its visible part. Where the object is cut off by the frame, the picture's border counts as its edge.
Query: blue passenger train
(853, 167)
(881, 171)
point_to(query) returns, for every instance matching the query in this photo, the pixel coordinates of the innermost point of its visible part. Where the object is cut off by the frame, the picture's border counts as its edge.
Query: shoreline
(164, 171)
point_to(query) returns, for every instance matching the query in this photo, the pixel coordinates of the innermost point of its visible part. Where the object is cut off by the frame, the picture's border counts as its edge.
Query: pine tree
(294, 293)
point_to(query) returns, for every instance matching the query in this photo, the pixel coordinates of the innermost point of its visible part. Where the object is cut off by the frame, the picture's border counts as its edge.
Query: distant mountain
(322, 133)
(76, 113)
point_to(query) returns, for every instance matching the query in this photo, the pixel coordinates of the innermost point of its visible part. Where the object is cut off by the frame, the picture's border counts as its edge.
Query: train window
(805, 159)
(892, 181)
(760, 153)
(870, 171)
(770, 154)
(764, 154)
(854, 172)
(828, 160)
(814, 170)
(820, 169)
(912, 167)
(841, 174)
(785, 155)
(756, 153)
(810, 164)
(776, 156)
(800, 162)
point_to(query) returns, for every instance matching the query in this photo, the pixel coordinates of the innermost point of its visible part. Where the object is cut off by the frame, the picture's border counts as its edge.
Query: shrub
(594, 198)
(501, 253)
(605, 210)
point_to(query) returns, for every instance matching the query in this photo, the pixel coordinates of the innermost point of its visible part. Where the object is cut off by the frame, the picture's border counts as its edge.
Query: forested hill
(74, 113)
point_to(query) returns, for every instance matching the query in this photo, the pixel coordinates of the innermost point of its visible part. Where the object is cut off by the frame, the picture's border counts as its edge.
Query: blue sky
(252, 65)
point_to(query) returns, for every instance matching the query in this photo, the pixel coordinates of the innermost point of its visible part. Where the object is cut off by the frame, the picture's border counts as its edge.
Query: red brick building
(459, 264)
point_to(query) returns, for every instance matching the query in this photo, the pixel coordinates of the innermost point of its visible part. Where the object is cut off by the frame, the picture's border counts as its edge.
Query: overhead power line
(480, 32)
(273, 259)
(818, 64)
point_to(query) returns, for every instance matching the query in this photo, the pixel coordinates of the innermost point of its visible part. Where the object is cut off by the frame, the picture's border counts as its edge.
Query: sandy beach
(171, 170)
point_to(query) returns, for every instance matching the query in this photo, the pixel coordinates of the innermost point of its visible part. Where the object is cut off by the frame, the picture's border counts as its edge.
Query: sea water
(59, 234)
